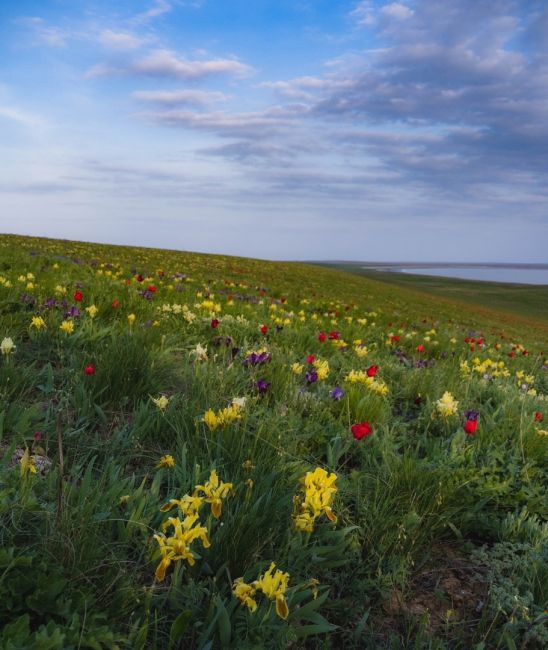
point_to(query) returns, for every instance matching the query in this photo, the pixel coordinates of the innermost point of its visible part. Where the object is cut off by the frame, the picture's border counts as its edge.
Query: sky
(287, 129)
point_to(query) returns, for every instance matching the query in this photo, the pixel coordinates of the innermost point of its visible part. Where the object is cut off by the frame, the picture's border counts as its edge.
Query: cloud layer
(394, 115)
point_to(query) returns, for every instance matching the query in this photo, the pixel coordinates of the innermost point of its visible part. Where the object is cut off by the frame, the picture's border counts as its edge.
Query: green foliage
(78, 552)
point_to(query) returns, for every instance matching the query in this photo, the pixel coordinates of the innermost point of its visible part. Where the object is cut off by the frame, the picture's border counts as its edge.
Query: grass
(184, 374)
(526, 302)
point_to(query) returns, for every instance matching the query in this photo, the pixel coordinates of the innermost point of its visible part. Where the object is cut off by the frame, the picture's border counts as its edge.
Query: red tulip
(214, 323)
(115, 303)
(263, 329)
(470, 427)
(89, 370)
(151, 288)
(361, 430)
(538, 416)
(420, 347)
(78, 296)
(322, 337)
(310, 359)
(372, 371)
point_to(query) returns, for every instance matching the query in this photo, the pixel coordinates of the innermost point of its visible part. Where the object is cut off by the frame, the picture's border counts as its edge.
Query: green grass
(523, 301)
(432, 539)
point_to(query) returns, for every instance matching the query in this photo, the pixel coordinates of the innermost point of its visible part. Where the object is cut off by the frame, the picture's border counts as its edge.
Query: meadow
(199, 451)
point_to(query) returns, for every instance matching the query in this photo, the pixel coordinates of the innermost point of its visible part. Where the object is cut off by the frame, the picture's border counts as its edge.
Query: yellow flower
(177, 546)
(273, 584)
(161, 402)
(131, 319)
(166, 461)
(187, 504)
(319, 488)
(245, 593)
(92, 311)
(67, 326)
(447, 405)
(297, 368)
(322, 369)
(27, 464)
(60, 290)
(7, 346)
(214, 492)
(211, 420)
(38, 322)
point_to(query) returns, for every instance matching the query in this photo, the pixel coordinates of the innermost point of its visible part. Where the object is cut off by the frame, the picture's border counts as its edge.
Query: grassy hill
(201, 451)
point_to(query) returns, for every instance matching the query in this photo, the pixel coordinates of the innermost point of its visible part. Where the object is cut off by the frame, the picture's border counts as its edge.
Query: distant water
(489, 273)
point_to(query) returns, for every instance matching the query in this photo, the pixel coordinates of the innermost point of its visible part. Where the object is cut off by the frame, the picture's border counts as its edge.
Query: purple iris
(311, 376)
(262, 386)
(471, 415)
(50, 302)
(255, 359)
(337, 393)
(146, 294)
(73, 312)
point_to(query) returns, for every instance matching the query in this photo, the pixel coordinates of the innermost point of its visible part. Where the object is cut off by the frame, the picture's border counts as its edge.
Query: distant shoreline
(388, 266)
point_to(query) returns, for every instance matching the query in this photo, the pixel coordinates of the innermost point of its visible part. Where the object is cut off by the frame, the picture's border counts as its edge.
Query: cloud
(44, 34)
(158, 8)
(21, 116)
(397, 10)
(258, 124)
(364, 13)
(165, 63)
(180, 97)
(119, 40)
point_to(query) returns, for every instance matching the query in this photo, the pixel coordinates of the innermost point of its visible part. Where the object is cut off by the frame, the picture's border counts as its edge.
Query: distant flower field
(210, 452)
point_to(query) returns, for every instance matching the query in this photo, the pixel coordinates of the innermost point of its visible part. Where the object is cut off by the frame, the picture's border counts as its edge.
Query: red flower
(334, 336)
(372, 371)
(214, 323)
(420, 347)
(115, 303)
(139, 278)
(89, 370)
(263, 329)
(361, 430)
(322, 336)
(151, 288)
(395, 338)
(310, 359)
(78, 296)
(538, 416)
(470, 427)
(38, 435)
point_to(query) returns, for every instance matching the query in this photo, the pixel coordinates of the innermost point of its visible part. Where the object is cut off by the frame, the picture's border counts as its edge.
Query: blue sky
(289, 129)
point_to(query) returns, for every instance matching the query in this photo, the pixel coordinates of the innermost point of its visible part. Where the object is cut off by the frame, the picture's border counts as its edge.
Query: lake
(529, 275)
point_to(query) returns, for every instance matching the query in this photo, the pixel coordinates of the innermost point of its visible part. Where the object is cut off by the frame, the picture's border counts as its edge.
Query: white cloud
(21, 116)
(165, 63)
(180, 97)
(397, 10)
(159, 8)
(43, 34)
(364, 13)
(120, 40)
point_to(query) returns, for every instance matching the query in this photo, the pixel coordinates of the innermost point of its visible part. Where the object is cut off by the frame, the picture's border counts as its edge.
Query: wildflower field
(200, 451)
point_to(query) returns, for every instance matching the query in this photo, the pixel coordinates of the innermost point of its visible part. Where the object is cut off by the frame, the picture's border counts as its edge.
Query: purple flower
(50, 302)
(262, 386)
(311, 376)
(146, 294)
(255, 359)
(471, 415)
(28, 299)
(337, 393)
(73, 312)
